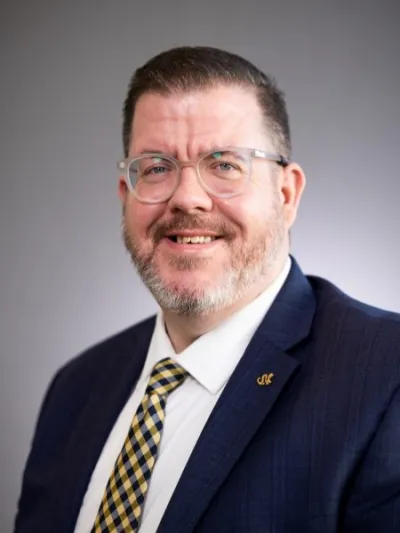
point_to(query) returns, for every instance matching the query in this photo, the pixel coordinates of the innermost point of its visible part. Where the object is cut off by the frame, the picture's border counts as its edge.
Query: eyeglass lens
(154, 178)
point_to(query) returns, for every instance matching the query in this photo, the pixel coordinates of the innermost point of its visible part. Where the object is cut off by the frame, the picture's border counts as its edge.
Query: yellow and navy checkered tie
(122, 504)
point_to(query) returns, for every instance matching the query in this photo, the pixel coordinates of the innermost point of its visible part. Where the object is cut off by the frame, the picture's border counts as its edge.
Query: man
(258, 400)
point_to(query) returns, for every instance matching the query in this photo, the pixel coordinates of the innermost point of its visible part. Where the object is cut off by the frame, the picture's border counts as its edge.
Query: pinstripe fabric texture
(122, 504)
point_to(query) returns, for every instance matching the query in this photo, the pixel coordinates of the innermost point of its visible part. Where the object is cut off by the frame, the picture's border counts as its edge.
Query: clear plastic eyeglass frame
(249, 153)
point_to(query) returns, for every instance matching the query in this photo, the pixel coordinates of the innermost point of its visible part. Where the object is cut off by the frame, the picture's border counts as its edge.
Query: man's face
(251, 229)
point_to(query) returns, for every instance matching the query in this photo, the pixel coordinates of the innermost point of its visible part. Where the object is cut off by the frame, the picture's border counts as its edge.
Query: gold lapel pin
(265, 379)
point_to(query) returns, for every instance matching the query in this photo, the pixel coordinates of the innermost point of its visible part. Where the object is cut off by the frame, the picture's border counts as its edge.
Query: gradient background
(66, 281)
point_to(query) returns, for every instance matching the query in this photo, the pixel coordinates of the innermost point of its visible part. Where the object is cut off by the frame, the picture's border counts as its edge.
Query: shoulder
(354, 326)
(332, 299)
(109, 352)
(72, 384)
(77, 376)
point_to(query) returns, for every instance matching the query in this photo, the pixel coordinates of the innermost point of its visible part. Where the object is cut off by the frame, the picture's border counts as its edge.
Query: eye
(159, 169)
(155, 166)
(152, 169)
(225, 166)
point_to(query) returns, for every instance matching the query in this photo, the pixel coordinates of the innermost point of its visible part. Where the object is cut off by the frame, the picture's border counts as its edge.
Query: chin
(189, 296)
(183, 285)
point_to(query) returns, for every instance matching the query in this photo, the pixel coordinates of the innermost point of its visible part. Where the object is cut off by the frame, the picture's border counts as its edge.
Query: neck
(184, 330)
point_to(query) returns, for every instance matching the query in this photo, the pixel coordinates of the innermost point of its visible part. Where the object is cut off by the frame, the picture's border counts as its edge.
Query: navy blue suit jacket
(316, 451)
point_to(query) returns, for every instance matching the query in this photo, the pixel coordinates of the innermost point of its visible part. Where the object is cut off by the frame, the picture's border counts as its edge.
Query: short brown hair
(190, 68)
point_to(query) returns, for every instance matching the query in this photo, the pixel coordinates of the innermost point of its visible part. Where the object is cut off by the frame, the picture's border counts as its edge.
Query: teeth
(194, 240)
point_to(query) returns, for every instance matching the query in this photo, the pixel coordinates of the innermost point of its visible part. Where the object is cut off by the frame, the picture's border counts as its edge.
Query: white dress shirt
(210, 361)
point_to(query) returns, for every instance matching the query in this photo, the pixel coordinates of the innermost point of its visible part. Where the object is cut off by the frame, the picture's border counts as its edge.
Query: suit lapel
(244, 403)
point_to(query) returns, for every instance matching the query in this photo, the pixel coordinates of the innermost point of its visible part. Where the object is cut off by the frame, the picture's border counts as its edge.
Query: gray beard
(247, 267)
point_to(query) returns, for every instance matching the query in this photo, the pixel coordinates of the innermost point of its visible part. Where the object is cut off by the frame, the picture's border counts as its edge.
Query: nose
(190, 196)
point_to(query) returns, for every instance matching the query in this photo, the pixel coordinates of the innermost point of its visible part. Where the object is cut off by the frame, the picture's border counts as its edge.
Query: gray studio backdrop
(66, 281)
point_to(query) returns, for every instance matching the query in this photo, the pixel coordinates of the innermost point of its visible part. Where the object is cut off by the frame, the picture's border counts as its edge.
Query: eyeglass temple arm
(279, 159)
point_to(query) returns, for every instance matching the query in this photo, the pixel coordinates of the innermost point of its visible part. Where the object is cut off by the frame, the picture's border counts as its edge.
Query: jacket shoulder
(108, 350)
(72, 383)
(331, 296)
(353, 327)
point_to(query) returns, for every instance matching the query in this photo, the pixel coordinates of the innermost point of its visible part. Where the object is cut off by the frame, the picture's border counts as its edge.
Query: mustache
(185, 222)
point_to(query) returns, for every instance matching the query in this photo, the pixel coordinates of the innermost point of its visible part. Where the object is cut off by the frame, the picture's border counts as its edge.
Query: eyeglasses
(154, 177)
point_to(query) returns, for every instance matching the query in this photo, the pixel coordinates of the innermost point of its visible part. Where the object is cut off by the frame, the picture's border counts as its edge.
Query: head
(183, 103)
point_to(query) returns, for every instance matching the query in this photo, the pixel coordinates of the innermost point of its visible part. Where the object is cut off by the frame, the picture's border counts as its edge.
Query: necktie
(122, 504)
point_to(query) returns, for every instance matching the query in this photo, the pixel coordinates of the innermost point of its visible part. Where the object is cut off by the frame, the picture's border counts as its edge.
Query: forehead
(198, 120)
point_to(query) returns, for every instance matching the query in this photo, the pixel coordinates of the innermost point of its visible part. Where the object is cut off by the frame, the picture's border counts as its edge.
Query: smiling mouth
(198, 239)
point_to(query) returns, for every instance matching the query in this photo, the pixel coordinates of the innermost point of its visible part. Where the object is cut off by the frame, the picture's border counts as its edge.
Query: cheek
(140, 217)
(248, 213)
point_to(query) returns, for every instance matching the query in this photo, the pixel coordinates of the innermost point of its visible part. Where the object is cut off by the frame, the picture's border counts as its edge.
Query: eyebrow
(151, 151)
(212, 149)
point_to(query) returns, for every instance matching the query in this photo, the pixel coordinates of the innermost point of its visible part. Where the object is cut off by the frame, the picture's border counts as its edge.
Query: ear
(123, 191)
(292, 184)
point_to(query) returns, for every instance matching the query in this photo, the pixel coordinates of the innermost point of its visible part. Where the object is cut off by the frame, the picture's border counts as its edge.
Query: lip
(190, 248)
(192, 233)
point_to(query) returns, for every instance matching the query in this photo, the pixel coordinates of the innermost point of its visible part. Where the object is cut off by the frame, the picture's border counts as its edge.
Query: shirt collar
(212, 358)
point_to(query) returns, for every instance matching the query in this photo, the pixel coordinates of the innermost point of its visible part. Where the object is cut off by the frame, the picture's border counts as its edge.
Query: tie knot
(166, 376)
